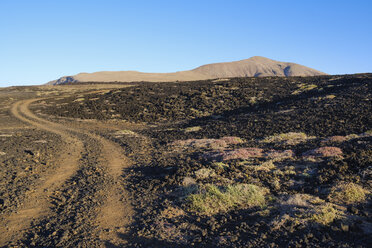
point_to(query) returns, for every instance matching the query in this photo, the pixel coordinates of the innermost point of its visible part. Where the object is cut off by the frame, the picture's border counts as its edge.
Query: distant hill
(252, 67)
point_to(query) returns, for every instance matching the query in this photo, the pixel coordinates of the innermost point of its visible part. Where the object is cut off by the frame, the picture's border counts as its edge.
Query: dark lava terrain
(306, 141)
(241, 162)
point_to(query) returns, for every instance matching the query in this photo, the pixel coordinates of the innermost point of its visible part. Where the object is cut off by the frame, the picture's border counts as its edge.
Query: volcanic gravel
(251, 109)
(25, 155)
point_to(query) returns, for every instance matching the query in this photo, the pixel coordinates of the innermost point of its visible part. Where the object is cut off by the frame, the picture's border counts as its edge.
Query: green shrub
(347, 193)
(211, 199)
(326, 215)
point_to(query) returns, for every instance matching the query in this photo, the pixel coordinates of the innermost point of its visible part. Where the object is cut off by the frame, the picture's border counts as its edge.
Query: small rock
(2, 153)
(30, 152)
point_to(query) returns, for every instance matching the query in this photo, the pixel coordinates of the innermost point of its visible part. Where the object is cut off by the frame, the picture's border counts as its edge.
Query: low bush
(291, 138)
(325, 215)
(241, 153)
(279, 155)
(266, 166)
(214, 144)
(334, 139)
(212, 199)
(204, 173)
(192, 129)
(347, 193)
(327, 151)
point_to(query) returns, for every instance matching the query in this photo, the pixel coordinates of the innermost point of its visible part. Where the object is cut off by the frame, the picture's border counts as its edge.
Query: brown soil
(36, 204)
(109, 213)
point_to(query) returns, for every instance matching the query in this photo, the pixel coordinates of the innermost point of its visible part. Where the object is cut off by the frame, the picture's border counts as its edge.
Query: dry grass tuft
(192, 129)
(125, 132)
(279, 155)
(204, 173)
(212, 199)
(334, 139)
(347, 193)
(325, 215)
(291, 138)
(303, 88)
(241, 153)
(266, 166)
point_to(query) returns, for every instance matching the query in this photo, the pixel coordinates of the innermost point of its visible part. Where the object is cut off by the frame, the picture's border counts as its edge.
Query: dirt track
(180, 154)
(97, 166)
(114, 214)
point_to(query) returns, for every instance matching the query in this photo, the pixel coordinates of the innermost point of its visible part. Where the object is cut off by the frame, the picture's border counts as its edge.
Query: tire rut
(98, 180)
(116, 214)
(36, 203)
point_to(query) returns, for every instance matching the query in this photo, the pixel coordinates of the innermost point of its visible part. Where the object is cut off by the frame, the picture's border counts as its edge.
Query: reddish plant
(274, 154)
(334, 139)
(208, 143)
(231, 140)
(327, 151)
(242, 153)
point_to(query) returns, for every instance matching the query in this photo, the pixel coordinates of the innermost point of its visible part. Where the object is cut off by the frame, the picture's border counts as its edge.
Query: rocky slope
(252, 67)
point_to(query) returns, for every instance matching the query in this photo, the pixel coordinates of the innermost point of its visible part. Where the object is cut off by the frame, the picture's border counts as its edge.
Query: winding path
(115, 214)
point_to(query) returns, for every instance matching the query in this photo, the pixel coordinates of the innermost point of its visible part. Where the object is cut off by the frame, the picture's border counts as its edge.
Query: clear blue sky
(43, 40)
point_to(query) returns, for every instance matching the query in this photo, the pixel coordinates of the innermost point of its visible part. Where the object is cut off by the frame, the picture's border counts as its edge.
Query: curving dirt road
(110, 217)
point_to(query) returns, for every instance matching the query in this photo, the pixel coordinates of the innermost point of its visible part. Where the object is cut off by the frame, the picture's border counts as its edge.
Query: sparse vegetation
(325, 215)
(266, 166)
(303, 88)
(181, 173)
(347, 193)
(330, 96)
(253, 100)
(211, 199)
(334, 139)
(241, 153)
(192, 129)
(291, 138)
(327, 151)
(279, 155)
(125, 132)
(204, 173)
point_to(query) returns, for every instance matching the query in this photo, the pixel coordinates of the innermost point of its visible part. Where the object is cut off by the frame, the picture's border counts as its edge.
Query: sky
(43, 40)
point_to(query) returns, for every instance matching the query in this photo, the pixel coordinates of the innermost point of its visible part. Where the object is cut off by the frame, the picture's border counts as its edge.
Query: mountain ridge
(256, 66)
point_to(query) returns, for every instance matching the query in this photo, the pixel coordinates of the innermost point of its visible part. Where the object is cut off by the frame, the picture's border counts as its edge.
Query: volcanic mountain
(253, 67)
